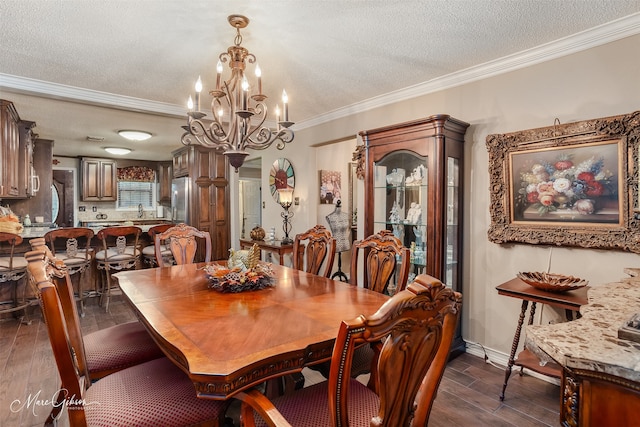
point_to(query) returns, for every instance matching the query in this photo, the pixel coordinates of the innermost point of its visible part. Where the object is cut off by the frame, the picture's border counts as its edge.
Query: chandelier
(238, 108)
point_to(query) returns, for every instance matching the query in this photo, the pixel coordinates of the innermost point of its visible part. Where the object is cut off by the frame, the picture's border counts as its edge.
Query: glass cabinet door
(400, 195)
(453, 216)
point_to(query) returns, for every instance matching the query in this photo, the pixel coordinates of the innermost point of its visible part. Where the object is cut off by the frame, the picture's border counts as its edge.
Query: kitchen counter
(36, 231)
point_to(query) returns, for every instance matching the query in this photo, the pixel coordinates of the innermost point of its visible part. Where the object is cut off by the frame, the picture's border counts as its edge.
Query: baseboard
(501, 360)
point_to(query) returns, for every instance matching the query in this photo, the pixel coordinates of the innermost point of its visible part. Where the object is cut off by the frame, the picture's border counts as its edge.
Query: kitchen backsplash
(107, 211)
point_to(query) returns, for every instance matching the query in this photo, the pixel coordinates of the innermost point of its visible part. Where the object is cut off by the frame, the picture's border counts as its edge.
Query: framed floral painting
(574, 184)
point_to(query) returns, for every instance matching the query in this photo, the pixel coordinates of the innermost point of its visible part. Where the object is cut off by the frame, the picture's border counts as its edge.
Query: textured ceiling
(87, 57)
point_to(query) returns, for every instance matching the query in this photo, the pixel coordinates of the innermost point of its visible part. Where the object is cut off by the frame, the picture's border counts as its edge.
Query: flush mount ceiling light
(238, 108)
(134, 135)
(117, 150)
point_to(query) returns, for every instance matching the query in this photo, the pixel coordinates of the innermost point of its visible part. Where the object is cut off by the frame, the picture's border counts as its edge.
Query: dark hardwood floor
(468, 394)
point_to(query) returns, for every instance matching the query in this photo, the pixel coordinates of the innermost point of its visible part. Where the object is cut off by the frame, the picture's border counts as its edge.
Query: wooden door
(63, 184)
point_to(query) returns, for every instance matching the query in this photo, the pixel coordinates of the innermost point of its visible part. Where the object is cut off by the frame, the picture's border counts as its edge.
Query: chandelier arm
(213, 136)
(268, 137)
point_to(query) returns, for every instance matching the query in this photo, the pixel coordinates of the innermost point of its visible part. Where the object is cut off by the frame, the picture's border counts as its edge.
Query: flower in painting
(546, 199)
(562, 184)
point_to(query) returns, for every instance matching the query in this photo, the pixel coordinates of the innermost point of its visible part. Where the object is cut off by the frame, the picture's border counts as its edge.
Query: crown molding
(597, 36)
(87, 96)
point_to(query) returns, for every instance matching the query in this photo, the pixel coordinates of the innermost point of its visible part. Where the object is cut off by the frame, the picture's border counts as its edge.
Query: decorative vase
(257, 233)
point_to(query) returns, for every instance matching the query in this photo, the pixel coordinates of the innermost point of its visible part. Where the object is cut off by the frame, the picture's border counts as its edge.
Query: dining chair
(149, 251)
(182, 241)
(313, 249)
(13, 269)
(120, 251)
(105, 351)
(384, 255)
(417, 326)
(154, 393)
(77, 254)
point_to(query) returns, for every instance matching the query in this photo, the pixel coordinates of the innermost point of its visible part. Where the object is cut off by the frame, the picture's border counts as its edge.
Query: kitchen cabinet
(99, 182)
(17, 177)
(165, 174)
(28, 180)
(208, 194)
(414, 188)
(181, 162)
(40, 204)
(9, 150)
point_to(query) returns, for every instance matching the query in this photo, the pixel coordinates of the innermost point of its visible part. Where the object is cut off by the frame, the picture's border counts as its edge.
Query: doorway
(63, 197)
(250, 200)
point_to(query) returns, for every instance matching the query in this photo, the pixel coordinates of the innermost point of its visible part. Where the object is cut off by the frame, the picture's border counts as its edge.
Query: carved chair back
(182, 241)
(149, 252)
(383, 252)
(313, 249)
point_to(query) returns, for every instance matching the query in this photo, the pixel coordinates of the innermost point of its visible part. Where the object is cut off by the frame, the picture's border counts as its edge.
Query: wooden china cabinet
(414, 188)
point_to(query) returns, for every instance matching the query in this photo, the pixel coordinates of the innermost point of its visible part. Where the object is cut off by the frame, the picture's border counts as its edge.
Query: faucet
(140, 211)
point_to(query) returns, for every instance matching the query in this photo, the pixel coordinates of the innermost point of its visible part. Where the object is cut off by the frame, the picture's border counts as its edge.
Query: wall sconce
(285, 198)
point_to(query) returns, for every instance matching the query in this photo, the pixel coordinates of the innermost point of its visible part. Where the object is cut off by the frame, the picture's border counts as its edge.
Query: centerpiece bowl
(551, 282)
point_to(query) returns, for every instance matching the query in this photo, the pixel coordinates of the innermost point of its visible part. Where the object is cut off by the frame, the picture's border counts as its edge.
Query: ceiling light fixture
(134, 135)
(117, 150)
(236, 132)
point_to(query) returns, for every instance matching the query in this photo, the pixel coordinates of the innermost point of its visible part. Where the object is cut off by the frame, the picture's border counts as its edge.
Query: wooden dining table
(228, 342)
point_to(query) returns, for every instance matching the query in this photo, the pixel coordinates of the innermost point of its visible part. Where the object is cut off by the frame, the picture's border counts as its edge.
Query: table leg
(514, 347)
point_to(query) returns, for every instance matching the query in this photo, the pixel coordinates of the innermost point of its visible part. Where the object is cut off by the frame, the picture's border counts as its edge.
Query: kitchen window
(132, 194)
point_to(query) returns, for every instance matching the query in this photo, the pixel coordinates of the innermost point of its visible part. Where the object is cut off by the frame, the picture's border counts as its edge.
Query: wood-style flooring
(468, 394)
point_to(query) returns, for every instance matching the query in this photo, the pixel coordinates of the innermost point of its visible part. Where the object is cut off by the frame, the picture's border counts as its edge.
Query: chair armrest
(254, 400)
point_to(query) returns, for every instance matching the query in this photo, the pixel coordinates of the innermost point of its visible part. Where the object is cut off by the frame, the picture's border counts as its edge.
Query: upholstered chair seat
(19, 266)
(118, 347)
(107, 350)
(295, 408)
(156, 393)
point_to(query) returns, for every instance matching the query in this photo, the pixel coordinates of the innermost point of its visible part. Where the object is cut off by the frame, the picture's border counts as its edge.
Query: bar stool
(77, 254)
(149, 252)
(12, 271)
(120, 251)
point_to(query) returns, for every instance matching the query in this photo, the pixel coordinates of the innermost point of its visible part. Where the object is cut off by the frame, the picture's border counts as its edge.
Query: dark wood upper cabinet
(99, 180)
(10, 183)
(165, 175)
(414, 187)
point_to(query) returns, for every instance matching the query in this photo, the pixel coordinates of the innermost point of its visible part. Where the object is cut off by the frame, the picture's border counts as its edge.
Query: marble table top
(592, 342)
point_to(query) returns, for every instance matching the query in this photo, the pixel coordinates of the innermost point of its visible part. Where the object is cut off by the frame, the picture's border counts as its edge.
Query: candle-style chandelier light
(237, 123)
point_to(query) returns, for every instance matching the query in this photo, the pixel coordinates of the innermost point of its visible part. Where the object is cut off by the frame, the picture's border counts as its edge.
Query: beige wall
(599, 82)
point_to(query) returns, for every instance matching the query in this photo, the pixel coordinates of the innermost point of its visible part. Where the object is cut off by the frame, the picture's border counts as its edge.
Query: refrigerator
(180, 200)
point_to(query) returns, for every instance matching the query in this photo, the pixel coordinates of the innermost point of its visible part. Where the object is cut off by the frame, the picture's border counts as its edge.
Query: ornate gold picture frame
(569, 185)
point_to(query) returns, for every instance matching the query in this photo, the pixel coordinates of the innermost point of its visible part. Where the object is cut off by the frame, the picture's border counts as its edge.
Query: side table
(274, 246)
(571, 301)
